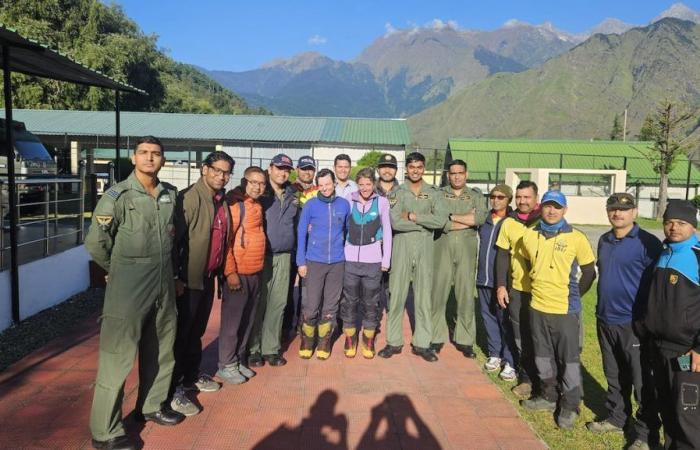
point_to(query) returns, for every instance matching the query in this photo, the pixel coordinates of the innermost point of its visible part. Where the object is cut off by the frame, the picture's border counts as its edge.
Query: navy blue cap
(555, 197)
(282, 160)
(306, 162)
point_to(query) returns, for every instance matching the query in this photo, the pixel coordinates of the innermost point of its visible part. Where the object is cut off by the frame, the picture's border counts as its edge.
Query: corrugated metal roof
(219, 127)
(481, 156)
(33, 58)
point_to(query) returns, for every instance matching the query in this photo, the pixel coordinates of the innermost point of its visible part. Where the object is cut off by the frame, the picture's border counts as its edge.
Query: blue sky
(235, 35)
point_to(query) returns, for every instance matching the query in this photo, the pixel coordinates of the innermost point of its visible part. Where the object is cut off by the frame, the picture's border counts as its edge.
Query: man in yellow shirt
(555, 252)
(513, 283)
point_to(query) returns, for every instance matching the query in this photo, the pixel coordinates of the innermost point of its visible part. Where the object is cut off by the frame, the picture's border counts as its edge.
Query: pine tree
(646, 133)
(616, 132)
(666, 146)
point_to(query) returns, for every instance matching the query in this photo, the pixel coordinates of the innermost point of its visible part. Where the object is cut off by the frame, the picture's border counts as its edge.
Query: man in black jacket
(673, 319)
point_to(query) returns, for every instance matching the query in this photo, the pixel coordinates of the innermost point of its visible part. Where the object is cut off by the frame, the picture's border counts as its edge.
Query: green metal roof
(219, 127)
(483, 156)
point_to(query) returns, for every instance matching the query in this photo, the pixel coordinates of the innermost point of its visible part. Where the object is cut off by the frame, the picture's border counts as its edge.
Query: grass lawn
(649, 224)
(595, 387)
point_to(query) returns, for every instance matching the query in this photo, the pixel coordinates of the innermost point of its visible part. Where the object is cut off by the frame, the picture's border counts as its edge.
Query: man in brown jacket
(202, 222)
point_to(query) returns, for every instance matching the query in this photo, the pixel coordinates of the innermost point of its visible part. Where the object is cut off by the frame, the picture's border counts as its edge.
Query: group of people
(326, 253)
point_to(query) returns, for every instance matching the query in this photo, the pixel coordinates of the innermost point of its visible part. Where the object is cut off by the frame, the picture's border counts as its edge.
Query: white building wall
(45, 283)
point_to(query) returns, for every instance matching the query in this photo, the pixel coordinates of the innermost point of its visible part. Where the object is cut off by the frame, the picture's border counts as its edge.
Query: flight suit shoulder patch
(115, 191)
(476, 191)
(104, 221)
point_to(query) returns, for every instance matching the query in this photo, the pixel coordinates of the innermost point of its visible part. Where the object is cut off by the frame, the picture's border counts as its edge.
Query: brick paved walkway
(401, 403)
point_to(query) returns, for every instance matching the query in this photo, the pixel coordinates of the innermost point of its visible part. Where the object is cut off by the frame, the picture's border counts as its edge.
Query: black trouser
(627, 366)
(193, 310)
(237, 314)
(324, 284)
(678, 394)
(555, 339)
(519, 330)
(361, 290)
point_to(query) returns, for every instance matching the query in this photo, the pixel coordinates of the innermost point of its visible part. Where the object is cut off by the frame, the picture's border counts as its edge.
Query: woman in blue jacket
(500, 356)
(321, 261)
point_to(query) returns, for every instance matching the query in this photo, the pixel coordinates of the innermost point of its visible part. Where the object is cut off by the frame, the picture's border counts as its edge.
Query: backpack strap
(241, 209)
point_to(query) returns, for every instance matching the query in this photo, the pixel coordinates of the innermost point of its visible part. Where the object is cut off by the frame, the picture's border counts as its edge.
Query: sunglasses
(622, 200)
(497, 197)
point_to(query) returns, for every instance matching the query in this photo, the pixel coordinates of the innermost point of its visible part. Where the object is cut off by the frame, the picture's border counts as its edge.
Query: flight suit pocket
(114, 335)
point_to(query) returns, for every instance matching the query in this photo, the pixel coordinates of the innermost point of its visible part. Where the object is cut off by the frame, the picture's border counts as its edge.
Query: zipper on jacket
(488, 250)
(330, 224)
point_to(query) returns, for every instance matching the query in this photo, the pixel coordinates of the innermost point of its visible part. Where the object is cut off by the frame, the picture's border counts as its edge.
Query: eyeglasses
(498, 197)
(256, 183)
(218, 172)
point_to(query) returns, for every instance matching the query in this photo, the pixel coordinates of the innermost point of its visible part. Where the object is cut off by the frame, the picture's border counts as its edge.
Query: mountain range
(409, 70)
(578, 94)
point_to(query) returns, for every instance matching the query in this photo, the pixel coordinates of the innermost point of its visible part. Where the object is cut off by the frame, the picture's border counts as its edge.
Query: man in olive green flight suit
(131, 238)
(417, 209)
(456, 252)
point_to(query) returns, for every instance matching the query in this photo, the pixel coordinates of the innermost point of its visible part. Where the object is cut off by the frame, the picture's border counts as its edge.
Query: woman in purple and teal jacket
(367, 257)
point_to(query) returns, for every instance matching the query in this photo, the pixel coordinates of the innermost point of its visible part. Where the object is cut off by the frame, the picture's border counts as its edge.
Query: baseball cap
(282, 160)
(387, 159)
(620, 200)
(306, 162)
(554, 197)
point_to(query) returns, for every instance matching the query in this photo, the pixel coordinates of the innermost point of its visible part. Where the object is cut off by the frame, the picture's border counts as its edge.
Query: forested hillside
(104, 38)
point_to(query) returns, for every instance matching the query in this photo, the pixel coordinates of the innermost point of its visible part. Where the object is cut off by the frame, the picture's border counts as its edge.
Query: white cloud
(514, 23)
(390, 29)
(439, 24)
(317, 40)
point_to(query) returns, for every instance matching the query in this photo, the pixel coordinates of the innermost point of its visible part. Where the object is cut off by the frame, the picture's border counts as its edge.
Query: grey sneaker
(231, 374)
(639, 444)
(566, 419)
(492, 364)
(603, 426)
(538, 404)
(245, 371)
(182, 404)
(204, 383)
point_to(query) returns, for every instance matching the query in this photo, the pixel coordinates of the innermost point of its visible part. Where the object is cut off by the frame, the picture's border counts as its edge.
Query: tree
(616, 132)
(646, 133)
(666, 146)
(369, 159)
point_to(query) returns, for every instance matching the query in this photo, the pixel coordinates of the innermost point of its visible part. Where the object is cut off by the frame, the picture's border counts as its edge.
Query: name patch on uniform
(165, 199)
(104, 221)
(423, 196)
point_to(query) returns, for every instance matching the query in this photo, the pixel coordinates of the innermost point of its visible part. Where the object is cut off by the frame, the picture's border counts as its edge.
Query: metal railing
(57, 212)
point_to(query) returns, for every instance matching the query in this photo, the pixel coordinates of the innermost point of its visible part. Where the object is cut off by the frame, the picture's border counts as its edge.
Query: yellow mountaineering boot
(323, 349)
(368, 343)
(350, 342)
(307, 341)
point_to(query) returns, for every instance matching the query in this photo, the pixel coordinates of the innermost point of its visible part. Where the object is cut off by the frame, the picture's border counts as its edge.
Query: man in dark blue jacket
(626, 257)
(673, 319)
(498, 339)
(281, 206)
(321, 261)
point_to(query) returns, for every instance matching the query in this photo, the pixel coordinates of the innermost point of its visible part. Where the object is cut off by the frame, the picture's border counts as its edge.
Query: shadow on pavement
(314, 427)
